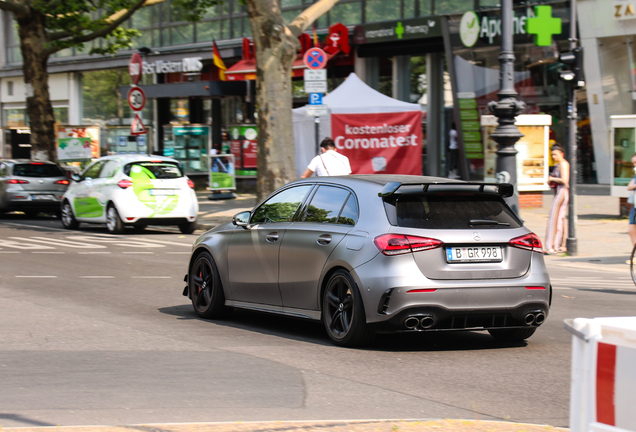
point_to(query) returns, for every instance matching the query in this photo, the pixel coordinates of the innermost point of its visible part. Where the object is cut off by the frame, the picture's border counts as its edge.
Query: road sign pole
(317, 129)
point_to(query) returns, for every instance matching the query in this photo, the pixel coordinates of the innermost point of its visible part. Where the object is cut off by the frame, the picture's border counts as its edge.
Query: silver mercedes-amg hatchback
(377, 253)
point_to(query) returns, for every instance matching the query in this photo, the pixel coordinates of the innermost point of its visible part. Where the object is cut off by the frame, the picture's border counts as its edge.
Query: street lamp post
(571, 243)
(506, 109)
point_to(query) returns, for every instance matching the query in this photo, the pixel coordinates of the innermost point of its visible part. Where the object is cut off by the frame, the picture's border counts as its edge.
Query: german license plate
(474, 254)
(43, 197)
(162, 192)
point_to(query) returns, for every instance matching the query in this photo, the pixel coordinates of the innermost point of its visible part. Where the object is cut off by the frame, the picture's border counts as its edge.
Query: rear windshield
(153, 170)
(450, 211)
(37, 170)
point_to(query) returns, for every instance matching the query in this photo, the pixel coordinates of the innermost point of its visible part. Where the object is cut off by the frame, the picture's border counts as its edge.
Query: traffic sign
(136, 98)
(135, 68)
(315, 98)
(315, 74)
(137, 127)
(315, 58)
(316, 110)
(315, 86)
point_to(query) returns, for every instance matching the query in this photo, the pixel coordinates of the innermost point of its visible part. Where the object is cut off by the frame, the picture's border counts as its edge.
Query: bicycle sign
(315, 58)
(136, 98)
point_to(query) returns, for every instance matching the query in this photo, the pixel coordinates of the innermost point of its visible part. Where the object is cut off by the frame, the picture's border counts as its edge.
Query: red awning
(246, 69)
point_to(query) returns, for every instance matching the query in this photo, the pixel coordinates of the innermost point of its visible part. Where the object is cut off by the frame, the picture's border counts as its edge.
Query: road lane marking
(49, 253)
(179, 253)
(92, 253)
(38, 277)
(189, 245)
(60, 242)
(97, 277)
(138, 253)
(16, 245)
(118, 241)
(11, 252)
(151, 277)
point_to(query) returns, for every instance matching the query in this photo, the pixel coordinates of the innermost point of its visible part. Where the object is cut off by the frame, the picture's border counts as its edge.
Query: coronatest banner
(382, 143)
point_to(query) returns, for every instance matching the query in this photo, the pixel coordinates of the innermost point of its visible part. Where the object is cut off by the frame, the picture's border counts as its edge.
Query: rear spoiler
(504, 189)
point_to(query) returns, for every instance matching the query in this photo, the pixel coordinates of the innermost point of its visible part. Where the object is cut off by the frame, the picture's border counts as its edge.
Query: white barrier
(603, 387)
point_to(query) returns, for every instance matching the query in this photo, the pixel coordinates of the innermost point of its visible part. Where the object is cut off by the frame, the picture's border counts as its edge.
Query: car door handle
(324, 239)
(271, 237)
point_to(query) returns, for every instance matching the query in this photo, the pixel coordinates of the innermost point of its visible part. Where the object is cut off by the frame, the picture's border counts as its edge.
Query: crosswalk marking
(86, 243)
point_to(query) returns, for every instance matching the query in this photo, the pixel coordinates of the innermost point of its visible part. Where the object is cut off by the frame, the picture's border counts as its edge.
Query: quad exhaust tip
(536, 318)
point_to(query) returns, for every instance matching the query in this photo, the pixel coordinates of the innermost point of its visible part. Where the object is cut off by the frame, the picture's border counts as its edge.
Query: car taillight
(62, 182)
(397, 244)
(529, 242)
(124, 183)
(191, 183)
(16, 181)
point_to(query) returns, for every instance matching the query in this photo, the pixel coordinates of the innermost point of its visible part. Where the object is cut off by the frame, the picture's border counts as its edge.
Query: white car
(131, 190)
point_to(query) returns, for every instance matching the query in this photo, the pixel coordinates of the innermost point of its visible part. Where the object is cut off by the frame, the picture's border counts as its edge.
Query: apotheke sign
(192, 64)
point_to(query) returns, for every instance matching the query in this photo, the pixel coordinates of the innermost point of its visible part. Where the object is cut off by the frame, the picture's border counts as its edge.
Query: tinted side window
(326, 204)
(349, 214)
(93, 170)
(110, 167)
(451, 211)
(282, 206)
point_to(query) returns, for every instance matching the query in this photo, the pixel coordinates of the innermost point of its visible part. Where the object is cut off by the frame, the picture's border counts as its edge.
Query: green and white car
(131, 190)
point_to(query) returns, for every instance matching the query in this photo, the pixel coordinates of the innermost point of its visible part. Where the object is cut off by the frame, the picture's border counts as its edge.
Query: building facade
(408, 49)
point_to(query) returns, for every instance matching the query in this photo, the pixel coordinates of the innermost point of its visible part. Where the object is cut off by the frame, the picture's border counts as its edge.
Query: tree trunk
(36, 80)
(275, 48)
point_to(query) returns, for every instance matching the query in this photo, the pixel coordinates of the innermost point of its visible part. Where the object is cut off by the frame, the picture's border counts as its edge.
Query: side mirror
(241, 219)
(76, 177)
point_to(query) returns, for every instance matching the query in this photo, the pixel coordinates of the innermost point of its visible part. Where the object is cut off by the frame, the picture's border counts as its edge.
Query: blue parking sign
(315, 98)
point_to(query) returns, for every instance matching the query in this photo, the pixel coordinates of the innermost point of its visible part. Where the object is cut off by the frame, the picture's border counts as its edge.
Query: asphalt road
(94, 330)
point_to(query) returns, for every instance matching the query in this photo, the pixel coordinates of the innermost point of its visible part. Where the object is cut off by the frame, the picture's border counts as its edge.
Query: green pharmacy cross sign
(543, 26)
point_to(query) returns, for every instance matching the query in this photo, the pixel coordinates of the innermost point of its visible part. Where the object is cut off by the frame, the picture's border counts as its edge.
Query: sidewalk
(313, 426)
(602, 239)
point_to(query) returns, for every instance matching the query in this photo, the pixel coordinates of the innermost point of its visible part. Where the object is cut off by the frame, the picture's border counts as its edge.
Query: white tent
(353, 96)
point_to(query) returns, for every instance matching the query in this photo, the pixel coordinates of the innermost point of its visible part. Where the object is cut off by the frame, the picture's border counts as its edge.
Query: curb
(440, 425)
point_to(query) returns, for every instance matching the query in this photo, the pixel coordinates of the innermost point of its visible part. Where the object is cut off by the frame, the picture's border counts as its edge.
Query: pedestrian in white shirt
(329, 162)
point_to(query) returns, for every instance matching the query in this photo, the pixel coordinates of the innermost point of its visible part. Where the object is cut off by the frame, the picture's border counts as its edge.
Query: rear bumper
(32, 205)
(160, 221)
(435, 318)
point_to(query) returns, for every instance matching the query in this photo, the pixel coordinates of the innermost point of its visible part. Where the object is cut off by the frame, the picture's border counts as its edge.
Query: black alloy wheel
(205, 288)
(67, 217)
(343, 312)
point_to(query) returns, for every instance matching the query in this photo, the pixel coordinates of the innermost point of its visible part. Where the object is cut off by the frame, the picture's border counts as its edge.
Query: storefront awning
(246, 69)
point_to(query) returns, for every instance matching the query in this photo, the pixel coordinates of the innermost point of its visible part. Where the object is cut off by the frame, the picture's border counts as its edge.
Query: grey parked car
(380, 253)
(31, 186)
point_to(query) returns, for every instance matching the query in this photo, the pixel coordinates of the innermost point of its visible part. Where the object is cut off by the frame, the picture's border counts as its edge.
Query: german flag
(218, 61)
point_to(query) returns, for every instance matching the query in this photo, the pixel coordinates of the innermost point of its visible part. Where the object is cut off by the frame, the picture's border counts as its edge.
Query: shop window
(454, 6)
(346, 13)
(208, 31)
(15, 117)
(182, 34)
(623, 151)
(61, 114)
(489, 3)
(180, 113)
(381, 10)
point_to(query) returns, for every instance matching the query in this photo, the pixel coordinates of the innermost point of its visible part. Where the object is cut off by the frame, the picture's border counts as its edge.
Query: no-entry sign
(135, 68)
